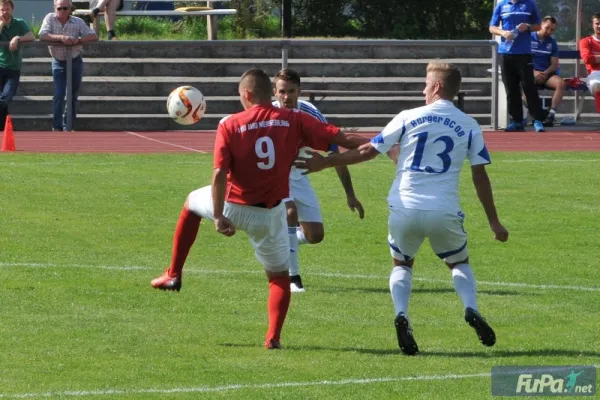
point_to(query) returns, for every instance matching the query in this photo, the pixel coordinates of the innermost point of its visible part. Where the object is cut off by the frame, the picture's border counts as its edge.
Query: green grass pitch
(81, 236)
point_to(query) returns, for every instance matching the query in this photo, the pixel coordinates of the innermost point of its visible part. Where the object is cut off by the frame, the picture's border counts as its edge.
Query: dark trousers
(9, 82)
(517, 72)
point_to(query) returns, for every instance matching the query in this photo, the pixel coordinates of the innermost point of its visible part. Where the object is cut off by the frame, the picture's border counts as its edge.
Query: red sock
(185, 235)
(278, 304)
(597, 101)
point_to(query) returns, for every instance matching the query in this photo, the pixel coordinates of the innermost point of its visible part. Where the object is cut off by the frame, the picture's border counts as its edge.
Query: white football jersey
(434, 142)
(310, 109)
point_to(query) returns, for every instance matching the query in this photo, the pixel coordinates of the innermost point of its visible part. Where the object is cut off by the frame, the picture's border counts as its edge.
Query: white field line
(163, 142)
(322, 274)
(225, 388)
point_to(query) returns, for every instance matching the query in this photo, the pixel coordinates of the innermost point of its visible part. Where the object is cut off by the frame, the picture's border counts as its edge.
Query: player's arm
(317, 162)
(343, 174)
(585, 51)
(380, 144)
(219, 183)
(486, 197)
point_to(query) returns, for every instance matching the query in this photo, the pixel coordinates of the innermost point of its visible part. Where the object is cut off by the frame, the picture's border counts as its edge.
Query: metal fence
(286, 45)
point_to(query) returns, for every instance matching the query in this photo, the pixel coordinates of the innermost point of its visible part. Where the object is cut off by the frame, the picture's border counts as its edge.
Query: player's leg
(311, 230)
(593, 82)
(449, 241)
(559, 85)
(197, 205)
(404, 239)
(292, 223)
(267, 232)
(308, 215)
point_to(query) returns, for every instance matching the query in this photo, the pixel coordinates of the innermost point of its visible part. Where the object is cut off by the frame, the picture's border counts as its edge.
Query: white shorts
(593, 79)
(305, 198)
(408, 228)
(266, 228)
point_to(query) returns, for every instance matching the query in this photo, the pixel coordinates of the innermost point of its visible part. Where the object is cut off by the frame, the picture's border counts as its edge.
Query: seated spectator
(544, 50)
(110, 8)
(589, 49)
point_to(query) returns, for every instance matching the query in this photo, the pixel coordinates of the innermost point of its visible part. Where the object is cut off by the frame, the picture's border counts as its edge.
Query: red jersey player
(254, 153)
(589, 49)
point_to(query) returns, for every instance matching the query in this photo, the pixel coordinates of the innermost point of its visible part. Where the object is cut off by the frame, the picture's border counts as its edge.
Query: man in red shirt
(589, 49)
(254, 153)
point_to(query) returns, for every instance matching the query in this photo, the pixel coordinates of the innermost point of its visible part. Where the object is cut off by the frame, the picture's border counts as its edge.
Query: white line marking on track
(163, 142)
(225, 388)
(323, 274)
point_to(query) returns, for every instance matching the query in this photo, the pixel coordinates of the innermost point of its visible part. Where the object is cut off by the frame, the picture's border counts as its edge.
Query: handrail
(285, 45)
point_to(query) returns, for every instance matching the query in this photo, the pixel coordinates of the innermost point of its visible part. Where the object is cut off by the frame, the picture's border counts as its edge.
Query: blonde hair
(449, 77)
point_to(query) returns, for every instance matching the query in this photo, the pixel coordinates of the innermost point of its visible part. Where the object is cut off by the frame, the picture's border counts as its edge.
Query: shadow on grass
(483, 353)
(385, 290)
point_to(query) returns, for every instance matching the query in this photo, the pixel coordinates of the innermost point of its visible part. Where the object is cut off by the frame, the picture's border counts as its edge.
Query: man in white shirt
(434, 142)
(302, 205)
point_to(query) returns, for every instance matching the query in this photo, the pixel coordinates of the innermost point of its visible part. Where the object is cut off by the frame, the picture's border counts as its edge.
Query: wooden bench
(210, 13)
(312, 94)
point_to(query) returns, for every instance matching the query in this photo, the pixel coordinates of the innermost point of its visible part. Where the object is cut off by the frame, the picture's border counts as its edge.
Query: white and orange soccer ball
(186, 105)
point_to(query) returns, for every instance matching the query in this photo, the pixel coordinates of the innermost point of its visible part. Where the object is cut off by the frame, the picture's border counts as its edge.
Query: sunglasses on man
(62, 8)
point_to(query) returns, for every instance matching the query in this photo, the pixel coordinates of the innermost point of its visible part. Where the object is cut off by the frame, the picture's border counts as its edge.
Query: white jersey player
(434, 142)
(302, 205)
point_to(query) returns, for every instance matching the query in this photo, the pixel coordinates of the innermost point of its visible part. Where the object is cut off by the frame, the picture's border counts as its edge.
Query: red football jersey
(259, 146)
(589, 47)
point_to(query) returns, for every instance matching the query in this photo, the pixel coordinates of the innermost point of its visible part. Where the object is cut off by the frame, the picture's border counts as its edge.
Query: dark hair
(259, 82)
(596, 16)
(549, 18)
(289, 75)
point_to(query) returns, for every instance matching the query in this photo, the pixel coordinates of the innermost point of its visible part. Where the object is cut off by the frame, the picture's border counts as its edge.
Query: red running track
(202, 141)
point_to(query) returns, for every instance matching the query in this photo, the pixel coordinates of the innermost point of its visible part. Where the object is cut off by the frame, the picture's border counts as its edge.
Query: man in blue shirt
(516, 19)
(544, 49)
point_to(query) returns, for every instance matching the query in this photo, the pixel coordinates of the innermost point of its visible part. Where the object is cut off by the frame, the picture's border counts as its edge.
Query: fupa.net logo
(544, 381)
(529, 384)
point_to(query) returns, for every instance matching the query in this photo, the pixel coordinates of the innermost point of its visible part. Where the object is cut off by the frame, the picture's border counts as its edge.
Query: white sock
(464, 283)
(552, 111)
(300, 236)
(294, 268)
(401, 287)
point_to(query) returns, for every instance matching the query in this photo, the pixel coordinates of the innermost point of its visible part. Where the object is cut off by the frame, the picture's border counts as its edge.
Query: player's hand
(314, 162)
(508, 35)
(13, 45)
(224, 226)
(355, 205)
(500, 232)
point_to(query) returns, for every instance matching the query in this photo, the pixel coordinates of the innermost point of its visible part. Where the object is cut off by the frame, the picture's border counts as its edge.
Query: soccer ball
(186, 105)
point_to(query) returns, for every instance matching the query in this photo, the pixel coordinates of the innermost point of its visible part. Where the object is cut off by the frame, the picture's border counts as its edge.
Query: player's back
(262, 143)
(436, 139)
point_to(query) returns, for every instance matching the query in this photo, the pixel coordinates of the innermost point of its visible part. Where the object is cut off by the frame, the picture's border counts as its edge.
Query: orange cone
(8, 141)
